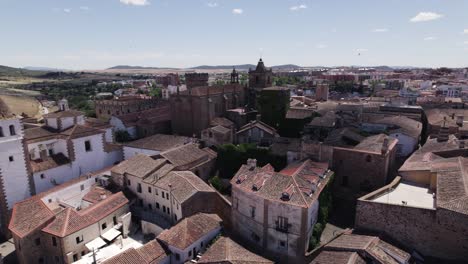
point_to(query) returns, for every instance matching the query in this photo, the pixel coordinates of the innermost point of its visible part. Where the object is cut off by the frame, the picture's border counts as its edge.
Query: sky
(97, 34)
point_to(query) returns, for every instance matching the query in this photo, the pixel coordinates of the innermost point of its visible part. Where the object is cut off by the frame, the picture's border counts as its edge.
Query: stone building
(424, 209)
(154, 145)
(321, 92)
(193, 110)
(365, 167)
(261, 77)
(276, 212)
(256, 132)
(140, 124)
(105, 109)
(221, 131)
(193, 80)
(68, 221)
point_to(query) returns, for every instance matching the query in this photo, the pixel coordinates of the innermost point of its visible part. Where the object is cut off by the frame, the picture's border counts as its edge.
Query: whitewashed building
(15, 183)
(66, 147)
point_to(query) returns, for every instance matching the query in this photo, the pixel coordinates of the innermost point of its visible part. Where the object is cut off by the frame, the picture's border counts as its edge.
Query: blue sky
(95, 34)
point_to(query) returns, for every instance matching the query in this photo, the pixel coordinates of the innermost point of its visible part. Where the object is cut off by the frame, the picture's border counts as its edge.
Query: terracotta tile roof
(221, 121)
(97, 123)
(152, 252)
(225, 250)
(62, 114)
(298, 184)
(185, 155)
(259, 125)
(139, 166)
(328, 119)
(29, 215)
(129, 256)
(344, 137)
(375, 143)
(79, 131)
(40, 133)
(159, 142)
(69, 221)
(95, 194)
(282, 145)
(213, 90)
(360, 249)
(437, 117)
(338, 257)
(299, 113)
(161, 113)
(184, 184)
(189, 230)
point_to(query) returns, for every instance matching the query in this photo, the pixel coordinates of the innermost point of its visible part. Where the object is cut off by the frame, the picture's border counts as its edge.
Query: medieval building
(261, 77)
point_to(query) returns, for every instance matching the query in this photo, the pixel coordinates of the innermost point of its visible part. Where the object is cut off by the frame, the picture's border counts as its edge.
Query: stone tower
(196, 79)
(261, 77)
(234, 76)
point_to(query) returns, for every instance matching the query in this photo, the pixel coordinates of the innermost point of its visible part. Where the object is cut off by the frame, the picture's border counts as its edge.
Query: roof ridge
(65, 225)
(295, 182)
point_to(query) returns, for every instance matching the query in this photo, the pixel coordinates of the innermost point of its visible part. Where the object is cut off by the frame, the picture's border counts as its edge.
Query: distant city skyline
(87, 34)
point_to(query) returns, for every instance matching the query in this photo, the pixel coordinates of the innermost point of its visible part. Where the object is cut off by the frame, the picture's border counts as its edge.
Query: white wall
(130, 152)
(60, 174)
(13, 173)
(406, 144)
(52, 122)
(117, 124)
(88, 161)
(58, 145)
(67, 122)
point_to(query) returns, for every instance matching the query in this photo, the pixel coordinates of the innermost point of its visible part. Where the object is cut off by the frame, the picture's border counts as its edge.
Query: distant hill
(129, 67)
(242, 67)
(39, 68)
(6, 71)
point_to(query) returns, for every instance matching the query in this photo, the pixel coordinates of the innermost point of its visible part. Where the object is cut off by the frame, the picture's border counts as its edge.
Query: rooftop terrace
(408, 194)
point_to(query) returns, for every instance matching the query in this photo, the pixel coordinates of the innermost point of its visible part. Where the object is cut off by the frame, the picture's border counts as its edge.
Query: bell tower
(261, 77)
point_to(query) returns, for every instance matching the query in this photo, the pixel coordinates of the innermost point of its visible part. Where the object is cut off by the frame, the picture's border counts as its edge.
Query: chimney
(102, 196)
(252, 164)
(43, 154)
(385, 145)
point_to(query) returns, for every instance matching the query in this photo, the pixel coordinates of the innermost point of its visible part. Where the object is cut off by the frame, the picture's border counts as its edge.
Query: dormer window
(285, 196)
(254, 187)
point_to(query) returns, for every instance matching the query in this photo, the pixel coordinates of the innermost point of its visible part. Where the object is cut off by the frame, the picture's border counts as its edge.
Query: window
(201, 244)
(82, 187)
(252, 211)
(282, 223)
(75, 257)
(79, 239)
(168, 211)
(104, 226)
(129, 182)
(162, 193)
(12, 130)
(54, 241)
(282, 244)
(139, 188)
(87, 145)
(51, 152)
(156, 191)
(167, 196)
(190, 253)
(177, 256)
(157, 205)
(1, 132)
(175, 218)
(149, 189)
(11, 159)
(42, 176)
(114, 219)
(344, 181)
(83, 253)
(150, 206)
(164, 208)
(37, 241)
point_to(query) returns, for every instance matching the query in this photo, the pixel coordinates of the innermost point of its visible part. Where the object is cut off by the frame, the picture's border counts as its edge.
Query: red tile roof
(29, 215)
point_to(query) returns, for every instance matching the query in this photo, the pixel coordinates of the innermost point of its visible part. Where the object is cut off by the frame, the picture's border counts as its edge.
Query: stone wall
(438, 233)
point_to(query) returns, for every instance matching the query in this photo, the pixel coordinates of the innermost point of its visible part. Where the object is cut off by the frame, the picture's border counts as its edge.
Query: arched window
(1, 132)
(12, 130)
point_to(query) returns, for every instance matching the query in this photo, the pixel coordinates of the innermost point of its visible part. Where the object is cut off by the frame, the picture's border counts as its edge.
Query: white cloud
(135, 2)
(380, 30)
(297, 7)
(426, 16)
(321, 46)
(430, 38)
(84, 8)
(465, 31)
(67, 10)
(237, 11)
(212, 4)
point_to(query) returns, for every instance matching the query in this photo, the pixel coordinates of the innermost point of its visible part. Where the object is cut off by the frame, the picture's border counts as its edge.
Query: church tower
(234, 76)
(261, 77)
